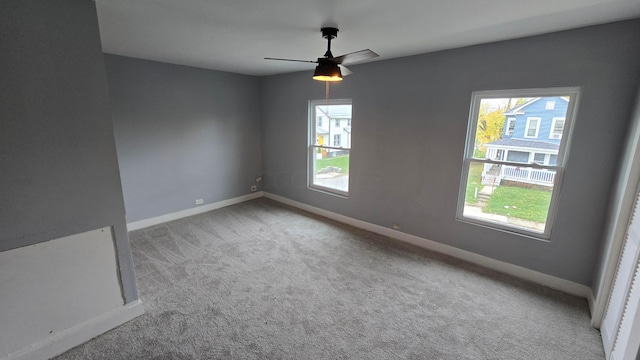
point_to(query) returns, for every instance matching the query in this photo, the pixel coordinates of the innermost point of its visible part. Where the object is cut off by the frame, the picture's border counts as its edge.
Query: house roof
(517, 109)
(521, 143)
(335, 111)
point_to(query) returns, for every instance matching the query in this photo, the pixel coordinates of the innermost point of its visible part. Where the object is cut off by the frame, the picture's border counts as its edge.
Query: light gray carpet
(260, 280)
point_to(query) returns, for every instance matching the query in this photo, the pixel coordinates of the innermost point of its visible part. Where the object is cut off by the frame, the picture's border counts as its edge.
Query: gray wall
(410, 120)
(620, 209)
(58, 166)
(182, 134)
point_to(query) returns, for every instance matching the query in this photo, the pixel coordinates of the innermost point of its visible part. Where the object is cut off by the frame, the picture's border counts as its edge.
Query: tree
(491, 121)
(490, 125)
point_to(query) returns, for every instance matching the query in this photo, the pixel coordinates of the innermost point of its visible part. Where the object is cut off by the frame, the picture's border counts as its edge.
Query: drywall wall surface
(58, 163)
(620, 211)
(409, 126)
(51, 287)
(182, 134)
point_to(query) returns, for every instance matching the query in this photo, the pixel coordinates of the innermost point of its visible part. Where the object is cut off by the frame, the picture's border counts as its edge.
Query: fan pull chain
(326, 92)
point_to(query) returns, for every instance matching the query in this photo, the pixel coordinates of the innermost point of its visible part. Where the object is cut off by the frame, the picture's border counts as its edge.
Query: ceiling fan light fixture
(331, 68)
(327, 71)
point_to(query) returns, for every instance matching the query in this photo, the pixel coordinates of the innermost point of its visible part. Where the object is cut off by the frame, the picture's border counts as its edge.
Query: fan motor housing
(329, 32)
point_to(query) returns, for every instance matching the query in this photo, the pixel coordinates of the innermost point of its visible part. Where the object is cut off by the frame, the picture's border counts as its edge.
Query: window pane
(331, 169)
(508, 195)
(558, 126)
(329, 145)
(532, 127)
(518, 156)
(511, 134)
(508, 129)
(511, 126)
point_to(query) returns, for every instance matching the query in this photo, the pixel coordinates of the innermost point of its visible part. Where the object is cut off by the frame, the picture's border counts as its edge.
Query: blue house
(531, 135)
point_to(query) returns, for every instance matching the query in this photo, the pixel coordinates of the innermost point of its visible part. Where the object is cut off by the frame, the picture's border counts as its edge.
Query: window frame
(509, 131)
(526, 127)
(554, 121)
(559, 167)
(312, 147)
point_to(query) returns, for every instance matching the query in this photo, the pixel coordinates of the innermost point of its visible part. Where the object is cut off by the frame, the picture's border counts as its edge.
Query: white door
(620, 327)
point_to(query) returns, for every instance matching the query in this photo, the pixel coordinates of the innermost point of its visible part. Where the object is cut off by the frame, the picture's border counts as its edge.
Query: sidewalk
(476, 212)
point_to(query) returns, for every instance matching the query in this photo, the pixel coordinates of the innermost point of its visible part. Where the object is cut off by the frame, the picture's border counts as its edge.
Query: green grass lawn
(341, 162)
(521, 203)
(513, 201)
(474, 181)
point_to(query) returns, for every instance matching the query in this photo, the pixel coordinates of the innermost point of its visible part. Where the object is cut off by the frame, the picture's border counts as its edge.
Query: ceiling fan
(329, 67)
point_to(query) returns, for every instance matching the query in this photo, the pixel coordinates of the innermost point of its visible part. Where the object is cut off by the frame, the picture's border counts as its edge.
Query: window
(550, 105)
(320, 121)
(329, 163)
(518, 156)
(533, 126)
(336, 140)
(557, 127)
(511, 126)
(518, 194)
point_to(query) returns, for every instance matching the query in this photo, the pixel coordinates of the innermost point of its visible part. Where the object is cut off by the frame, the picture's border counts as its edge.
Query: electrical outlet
(259, 178)
(199, 201)
(254, 188)
(395, 226)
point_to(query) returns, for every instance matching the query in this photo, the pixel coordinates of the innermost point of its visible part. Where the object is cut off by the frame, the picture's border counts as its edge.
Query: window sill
(506, 229)
(328, 191)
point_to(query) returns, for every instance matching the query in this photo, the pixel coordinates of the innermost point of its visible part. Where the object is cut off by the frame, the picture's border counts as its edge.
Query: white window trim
(509, 121)
(545, 160)
(312, 147)
(553, 126)
(526, 128)
(562, 156)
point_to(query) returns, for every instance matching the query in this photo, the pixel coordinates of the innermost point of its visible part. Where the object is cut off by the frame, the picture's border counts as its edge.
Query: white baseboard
(553, 282)
(141, 224)
(79, 334)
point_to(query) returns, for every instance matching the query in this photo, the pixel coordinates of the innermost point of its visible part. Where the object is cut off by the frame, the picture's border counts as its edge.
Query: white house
(333, 128)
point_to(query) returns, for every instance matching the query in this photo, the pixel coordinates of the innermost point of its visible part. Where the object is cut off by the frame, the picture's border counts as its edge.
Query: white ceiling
(235, 35)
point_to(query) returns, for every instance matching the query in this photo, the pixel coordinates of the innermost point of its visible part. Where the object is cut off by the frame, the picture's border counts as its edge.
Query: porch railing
(527, 175)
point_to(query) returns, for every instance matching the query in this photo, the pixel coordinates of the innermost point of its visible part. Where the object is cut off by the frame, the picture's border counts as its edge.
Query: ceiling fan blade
(304, 61)
(355, 56)
(344, 71)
